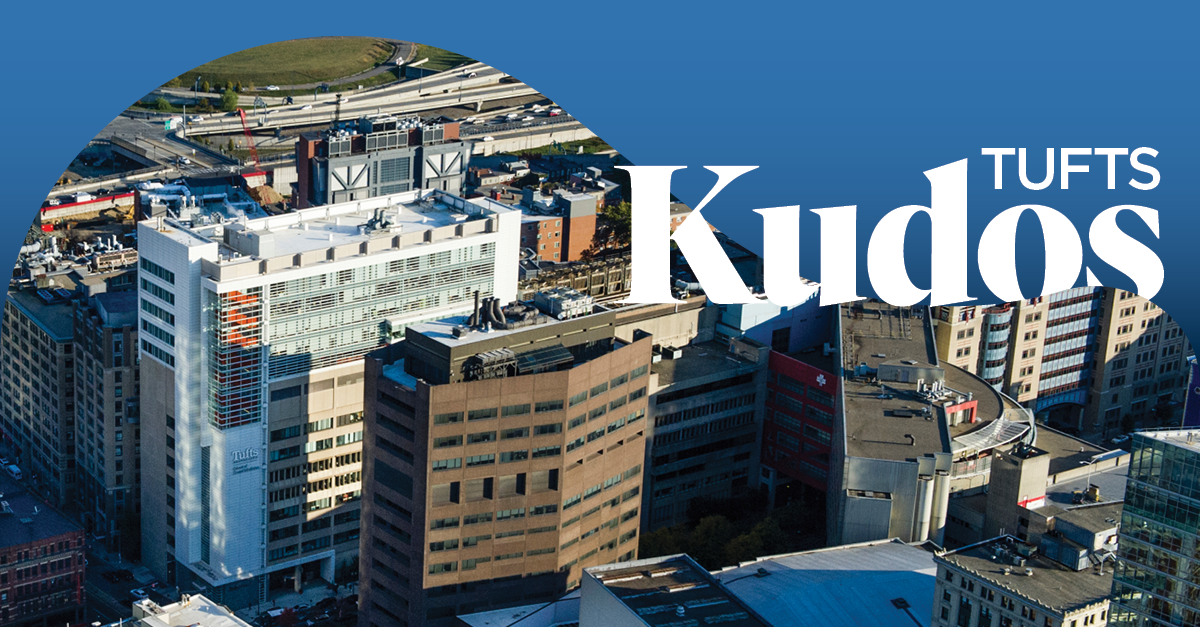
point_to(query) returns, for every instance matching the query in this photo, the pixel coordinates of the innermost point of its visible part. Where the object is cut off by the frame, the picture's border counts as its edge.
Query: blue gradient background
(843, 105)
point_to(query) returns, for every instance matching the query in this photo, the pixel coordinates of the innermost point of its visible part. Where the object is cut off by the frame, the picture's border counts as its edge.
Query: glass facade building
(1157, 581)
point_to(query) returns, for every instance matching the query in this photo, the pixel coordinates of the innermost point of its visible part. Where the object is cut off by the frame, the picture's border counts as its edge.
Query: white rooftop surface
(849, 585)
(442, 331)
(327, 226)
(197, 610)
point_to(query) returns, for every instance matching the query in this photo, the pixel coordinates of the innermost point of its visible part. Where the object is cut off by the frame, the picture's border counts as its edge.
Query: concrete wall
(529, 141)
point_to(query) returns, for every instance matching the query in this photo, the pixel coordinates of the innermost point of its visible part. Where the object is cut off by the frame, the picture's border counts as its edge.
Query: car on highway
(472, 75)
(196, 118)
(272, 88)
(306, 107)
(343, 100)
(488, 138)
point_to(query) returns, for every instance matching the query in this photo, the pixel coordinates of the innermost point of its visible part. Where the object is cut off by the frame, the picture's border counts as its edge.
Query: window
(481, 437)
(481, 414)
(599, 389)
(450, 418)
(547, 451)
(545, 406)
(1026, 354)
(512, 434)
(516, 410)
(513, 456)
(447, 464)
(548, 429)
(447, 442)
(578, 398)
(481, 460)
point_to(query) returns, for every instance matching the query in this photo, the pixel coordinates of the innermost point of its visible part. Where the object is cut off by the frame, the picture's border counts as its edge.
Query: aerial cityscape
(333, 332)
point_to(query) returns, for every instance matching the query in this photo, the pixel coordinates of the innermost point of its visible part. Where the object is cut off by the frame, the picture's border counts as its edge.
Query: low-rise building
(1006, 582)
(194, 610)
(41, 561)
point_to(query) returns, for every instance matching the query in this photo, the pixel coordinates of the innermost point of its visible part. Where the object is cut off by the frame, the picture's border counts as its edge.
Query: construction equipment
(249, 138)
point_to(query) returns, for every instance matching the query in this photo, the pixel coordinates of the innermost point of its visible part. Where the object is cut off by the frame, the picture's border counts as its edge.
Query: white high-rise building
(253, 330)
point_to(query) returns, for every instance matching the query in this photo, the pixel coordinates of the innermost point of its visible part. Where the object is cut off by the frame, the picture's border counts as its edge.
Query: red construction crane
(249, 139)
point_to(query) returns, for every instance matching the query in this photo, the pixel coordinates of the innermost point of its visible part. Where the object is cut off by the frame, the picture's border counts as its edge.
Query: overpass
(296, 115)
(457, 79)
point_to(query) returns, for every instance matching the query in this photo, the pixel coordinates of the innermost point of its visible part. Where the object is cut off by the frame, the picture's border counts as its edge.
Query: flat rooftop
(1094, 517)
(656, 589)
(442, 331)
(700, 361)
(1066, 452)
(1111, 483)
(194, 611)
(879, 335)
(1051, 585)
(55, 318)
(327, 226)
(1184, 438)
(30, 520)
(846, 585)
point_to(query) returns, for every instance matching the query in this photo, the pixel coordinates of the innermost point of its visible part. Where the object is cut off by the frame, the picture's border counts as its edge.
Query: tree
(614, 226)
(174, 82)
(709, 541)
(205, 87)
(229, 100)
(228, 85)
(238, 87)
(665, 541)
(162, 104)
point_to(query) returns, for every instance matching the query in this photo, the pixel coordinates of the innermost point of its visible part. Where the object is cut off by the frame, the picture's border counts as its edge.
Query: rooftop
(856, 584)
(328, 226)
(1066, 452)
(876, 337)
(1111, 483)
(702, 360)
(442, 331)
(1184, 438)
(193, 611)
(1049, 585)
(675, 591)
(27, 518)
(1096, 517)
(118, 309)
(54, 318)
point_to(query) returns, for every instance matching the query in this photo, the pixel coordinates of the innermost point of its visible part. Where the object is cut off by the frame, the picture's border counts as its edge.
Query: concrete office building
(252, 333)
(1004, 581)
(41, 562)
(108, 399)
(1084, 359)
(501, 463)
(909, 429)
(1157, 579)
(193, 610)
(706, 412)
(379, 155)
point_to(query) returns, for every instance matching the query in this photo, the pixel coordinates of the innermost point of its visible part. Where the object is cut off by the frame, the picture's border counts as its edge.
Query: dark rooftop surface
(55, 319)
(815, 356)
(1066, 452)
(1093, 517)
(1051, 585)
(23, 526)
(878, 334)
(700, 360)
(657, 591)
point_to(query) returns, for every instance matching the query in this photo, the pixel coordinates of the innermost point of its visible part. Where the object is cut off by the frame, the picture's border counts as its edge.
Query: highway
(412, 95)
